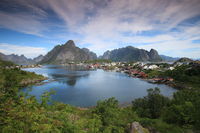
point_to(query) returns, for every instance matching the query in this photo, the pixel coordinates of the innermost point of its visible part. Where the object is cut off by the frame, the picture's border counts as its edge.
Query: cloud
(75, 13)
(106, 28)
(176, 48)
(109, 24)
(24, 16)
(28, 51)
(22, 22)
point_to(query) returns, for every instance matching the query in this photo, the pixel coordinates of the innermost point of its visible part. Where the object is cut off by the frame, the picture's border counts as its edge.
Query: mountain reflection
(71, 82)
(69, 78)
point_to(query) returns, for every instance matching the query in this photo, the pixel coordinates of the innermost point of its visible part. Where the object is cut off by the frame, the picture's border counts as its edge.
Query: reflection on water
(85, 88)
(69, 78)
(71, 82)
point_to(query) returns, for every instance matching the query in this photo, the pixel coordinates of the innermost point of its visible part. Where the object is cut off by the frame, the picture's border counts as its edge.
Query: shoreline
(121, 105)
(173, 84)
(28, 82)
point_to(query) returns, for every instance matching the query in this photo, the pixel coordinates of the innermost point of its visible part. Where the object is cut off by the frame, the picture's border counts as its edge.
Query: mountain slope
(38, 59)
(168, 58)
(66, 53)
(183, 60)
(20, 60)
(130, 53)
(5, 63)
(92, 55)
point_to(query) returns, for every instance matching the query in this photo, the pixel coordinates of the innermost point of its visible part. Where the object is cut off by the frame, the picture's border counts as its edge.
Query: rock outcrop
(135, 127)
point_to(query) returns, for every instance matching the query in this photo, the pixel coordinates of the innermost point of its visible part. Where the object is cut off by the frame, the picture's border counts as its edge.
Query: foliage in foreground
(181, 111)
(156, 112)
(20, 114)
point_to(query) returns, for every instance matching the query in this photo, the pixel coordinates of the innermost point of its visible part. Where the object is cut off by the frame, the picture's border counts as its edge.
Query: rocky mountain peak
(92, 55)
(86, 49)
(70, 43)
(38, 59)
(68, 52)
(129, 47)
(153, 54)
(153, 51)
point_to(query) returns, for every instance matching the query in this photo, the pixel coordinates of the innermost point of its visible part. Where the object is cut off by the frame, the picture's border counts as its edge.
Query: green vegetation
(19, 113)
(182, 111)
(153, 73)
(16, 77)
(151, 105)
(11, 78)
(188, 76)
(6, 63)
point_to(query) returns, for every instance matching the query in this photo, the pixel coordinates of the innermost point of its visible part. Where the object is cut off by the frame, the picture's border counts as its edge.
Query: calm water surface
(85, 88)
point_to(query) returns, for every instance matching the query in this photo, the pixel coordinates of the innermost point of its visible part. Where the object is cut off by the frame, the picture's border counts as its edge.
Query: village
(137, 69)
(145, 70)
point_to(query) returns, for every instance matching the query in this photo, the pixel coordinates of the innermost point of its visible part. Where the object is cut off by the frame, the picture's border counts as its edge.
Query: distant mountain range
(69, 52)
(38, 59)
(184, 59)
(168, 58)
(130, 53)
(20, 60)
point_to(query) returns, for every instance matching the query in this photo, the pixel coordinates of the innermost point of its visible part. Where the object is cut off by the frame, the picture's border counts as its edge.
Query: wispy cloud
(104, 24)
(29, 52)
(136, 16)
(22, 22)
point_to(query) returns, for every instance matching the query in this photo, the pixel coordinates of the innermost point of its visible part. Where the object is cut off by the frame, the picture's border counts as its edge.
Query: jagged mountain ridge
(20, 60)
(92, 55)
(168, 58)
(67, 52)
(130, 53)
(38, 59)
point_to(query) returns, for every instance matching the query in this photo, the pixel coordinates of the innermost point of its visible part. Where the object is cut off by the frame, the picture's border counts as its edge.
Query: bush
(184, 109)
(151, 105)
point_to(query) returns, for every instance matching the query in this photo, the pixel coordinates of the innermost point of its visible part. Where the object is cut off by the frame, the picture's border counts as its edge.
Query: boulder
(135, 127)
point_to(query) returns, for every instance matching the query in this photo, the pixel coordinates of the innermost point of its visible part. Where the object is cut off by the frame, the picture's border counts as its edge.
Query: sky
(34, 27)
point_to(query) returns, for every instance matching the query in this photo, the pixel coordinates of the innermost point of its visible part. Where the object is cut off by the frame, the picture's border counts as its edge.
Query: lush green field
(155, 112)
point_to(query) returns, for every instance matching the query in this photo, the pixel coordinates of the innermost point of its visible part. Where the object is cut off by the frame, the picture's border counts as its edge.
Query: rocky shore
(27, 82)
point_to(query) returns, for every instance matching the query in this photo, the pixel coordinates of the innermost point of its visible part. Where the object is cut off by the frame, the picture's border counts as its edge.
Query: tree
(184, 109)
(151, 105)
(109, 113)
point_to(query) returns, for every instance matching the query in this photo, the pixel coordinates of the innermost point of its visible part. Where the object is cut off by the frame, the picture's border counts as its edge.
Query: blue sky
(33, 27)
